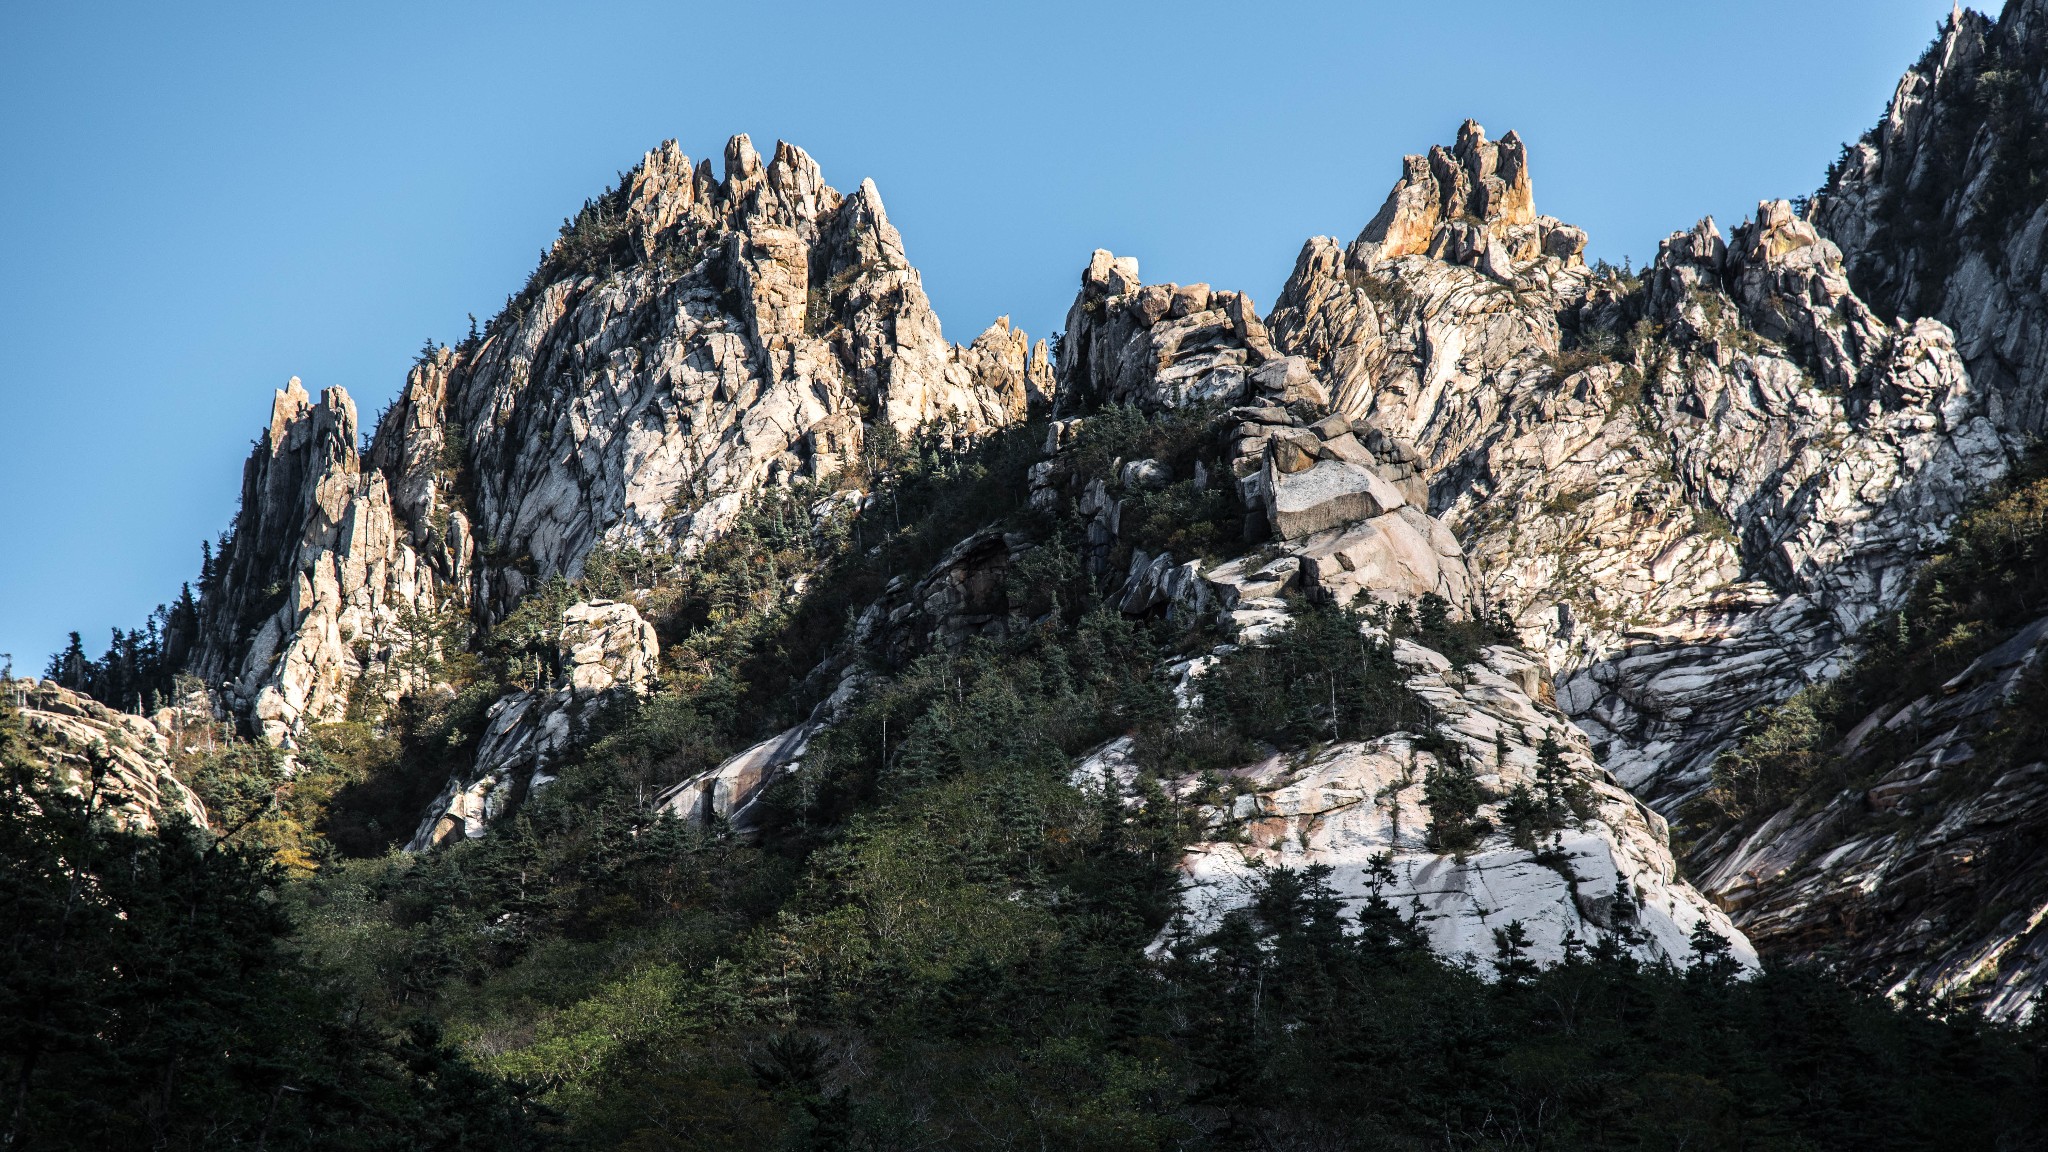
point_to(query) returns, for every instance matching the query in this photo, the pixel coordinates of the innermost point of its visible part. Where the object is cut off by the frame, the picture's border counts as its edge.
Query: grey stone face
(65, 732)
(1690, 493)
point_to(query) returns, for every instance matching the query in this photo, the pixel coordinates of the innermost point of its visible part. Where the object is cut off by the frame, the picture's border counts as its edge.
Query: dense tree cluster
(139, 669)
(150, 998)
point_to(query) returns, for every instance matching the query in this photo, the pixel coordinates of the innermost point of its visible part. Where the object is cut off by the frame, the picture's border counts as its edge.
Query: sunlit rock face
(1693, 488)
(118, 762)
(1936, 213)
(1609, 877)
(1688, 490)
(1338, 509)
(691, 338)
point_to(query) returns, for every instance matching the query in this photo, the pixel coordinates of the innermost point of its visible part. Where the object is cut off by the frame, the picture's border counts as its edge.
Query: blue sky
(199, 201)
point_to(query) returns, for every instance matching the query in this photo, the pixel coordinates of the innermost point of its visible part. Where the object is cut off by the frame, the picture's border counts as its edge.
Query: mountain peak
(1471, 203)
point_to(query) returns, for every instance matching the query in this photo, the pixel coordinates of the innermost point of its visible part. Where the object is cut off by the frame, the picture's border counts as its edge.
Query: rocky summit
(708, 620)
(690, 339)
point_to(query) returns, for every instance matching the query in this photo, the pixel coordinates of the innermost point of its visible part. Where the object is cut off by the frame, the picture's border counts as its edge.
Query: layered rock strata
(1924, 880)
(1938, 207)
(1609, 877)
(1690, 489)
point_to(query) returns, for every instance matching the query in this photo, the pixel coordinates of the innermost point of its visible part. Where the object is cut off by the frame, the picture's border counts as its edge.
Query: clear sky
(201, 200)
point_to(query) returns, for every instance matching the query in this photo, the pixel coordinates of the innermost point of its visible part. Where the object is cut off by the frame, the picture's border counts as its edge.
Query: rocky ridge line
(689, 340)
(1329, 517)
(1691, 491)
(1960, 144)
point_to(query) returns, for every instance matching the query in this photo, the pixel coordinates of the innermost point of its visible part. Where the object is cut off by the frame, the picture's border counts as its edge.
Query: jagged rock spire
(690, 339)
(1469, 204)
(1159, 345)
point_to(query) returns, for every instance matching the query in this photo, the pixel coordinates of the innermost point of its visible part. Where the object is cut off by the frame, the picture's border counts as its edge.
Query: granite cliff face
(1938, 208)
(1686, 489)
(1912, 862)
(317, 573)
(1692, 490)
(688, 340)
(1333, 511)
(1908, 860)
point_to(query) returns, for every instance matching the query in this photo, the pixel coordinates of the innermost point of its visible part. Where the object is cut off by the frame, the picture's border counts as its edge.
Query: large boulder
(727, 792)
(1325, 495)
(605, 645)
(1399, 556)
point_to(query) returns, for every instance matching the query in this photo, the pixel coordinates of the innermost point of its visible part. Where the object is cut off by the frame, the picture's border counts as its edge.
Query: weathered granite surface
(689, 340)
(136, 785)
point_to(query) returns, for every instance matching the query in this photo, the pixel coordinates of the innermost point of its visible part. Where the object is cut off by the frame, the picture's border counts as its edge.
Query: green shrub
(1559, 797)
(1782, 752)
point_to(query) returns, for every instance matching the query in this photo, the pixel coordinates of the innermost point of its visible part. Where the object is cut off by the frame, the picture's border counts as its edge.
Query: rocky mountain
(688, 339)
(1586, 531)
(1889, 819)
(691, 342)
(1938, 208)
(1698, 492)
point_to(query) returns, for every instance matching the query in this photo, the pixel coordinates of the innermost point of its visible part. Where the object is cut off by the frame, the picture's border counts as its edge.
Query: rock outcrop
(1690, 490)
(319, 586)
(1470, 204)
(603, 650)
(1611, 876)
(1938, 207)
(1668, 484)
(121, 762)
(1343, 505)
(1161, 345)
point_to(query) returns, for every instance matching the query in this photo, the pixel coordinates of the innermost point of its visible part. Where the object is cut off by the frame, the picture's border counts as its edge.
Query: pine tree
(1453, 796)
(147, 1001)
(1382, 930)
(1712, 959)
(1511, 954)
(68, 668)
